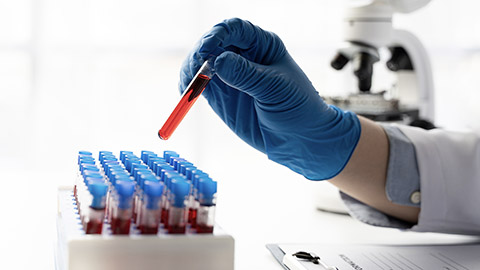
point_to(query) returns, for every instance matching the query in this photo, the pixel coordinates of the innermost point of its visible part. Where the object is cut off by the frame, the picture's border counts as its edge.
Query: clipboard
(464, 256)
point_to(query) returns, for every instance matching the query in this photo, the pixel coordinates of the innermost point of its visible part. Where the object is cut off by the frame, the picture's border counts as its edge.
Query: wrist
(320, 152)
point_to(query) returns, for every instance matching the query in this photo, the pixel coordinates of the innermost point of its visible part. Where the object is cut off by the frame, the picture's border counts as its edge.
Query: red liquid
(176, 229)
(192, 216)
(148, 229)
(164, 216)
(120, 226)
(134, 211)
(189, 97)
(202, 228)
(94, 227)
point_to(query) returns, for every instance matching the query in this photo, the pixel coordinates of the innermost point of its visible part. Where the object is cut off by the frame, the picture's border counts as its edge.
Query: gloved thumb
(242, 74)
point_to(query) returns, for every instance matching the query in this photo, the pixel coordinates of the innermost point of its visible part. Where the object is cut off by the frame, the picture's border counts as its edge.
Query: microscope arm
(422, 68)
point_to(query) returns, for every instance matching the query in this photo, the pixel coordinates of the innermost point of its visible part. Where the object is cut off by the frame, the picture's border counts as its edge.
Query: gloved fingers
(251, 41)
(258, 81)
(236, 109)
(235, 35)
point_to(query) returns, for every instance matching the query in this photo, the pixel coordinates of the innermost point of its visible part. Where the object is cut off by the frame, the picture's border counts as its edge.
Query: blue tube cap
(179, 163)
(140, 172)
(192, 173)
(125, 190)
(168, 154)
(150, 157)
(184, 166)
(157, 163)
(123, 154)
(85, 153)
(144, 155)
(180, 190)
(129, 161)
(118, 176)
(107, 160)
(85, 159)
(147, 178)
(153, 188)
(129, 156)
(170, 176)
(103, 153)
(138, 167)
(90, 179)
(88, 167)
(207, 186)
(151, 160)
(110, 168)
(175, 160)
(153, 191)
(161, 169)
(197, 176)
(95, 174)
(98, 191)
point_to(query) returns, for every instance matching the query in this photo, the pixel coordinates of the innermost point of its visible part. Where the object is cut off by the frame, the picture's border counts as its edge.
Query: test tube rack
(76, 250)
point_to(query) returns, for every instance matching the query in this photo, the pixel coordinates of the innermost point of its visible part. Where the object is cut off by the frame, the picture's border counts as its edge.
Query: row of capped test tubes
(151, 193)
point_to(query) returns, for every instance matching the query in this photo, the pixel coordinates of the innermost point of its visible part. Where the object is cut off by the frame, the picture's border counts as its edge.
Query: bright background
(102, 75)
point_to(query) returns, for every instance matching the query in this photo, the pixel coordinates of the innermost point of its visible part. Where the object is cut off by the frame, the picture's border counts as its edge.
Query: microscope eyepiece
(339, 61)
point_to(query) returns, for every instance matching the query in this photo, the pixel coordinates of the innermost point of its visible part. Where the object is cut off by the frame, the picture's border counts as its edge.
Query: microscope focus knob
(399, 60)
(363, 69)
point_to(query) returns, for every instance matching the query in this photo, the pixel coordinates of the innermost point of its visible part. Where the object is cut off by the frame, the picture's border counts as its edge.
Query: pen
(294, 261)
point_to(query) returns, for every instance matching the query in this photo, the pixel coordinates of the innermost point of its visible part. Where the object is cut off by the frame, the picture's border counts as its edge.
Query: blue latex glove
(266, 99)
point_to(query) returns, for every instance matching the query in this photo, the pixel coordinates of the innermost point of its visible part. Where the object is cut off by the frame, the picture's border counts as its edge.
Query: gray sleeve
(402, 184)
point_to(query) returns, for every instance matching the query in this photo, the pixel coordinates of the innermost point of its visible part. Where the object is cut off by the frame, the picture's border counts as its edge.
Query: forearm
(365, 175)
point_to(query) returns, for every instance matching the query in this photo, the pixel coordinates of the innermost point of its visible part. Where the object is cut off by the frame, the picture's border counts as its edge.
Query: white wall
(102, 75)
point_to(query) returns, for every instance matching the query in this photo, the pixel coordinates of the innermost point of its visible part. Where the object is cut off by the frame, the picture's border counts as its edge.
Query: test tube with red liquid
(150, 213)
(168, 176)
(207, 190)
(85, 158)
(191, 94)
(177, 213)
(122, 210)
(194, 176)
(96, 211)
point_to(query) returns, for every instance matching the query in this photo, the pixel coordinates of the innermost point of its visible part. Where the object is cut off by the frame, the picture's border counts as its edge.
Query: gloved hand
(266, 99)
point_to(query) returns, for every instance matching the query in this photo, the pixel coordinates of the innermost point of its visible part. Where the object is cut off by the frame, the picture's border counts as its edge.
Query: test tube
(167, 195)
(150, 215)
(207, 190)
(116, 177)
(177, 214)
(193, 203)
(83, 165)
(122, 211)
(96, 211)
(142, 178)
(190, 95)
(83, 192)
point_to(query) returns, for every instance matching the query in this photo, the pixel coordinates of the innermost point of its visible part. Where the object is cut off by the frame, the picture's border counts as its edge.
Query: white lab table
(269, 207)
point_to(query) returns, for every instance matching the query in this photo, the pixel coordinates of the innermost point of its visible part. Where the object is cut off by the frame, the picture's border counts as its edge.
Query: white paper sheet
(358, 257)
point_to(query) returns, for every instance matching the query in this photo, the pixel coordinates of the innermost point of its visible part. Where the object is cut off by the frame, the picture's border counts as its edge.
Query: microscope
(367, 29)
